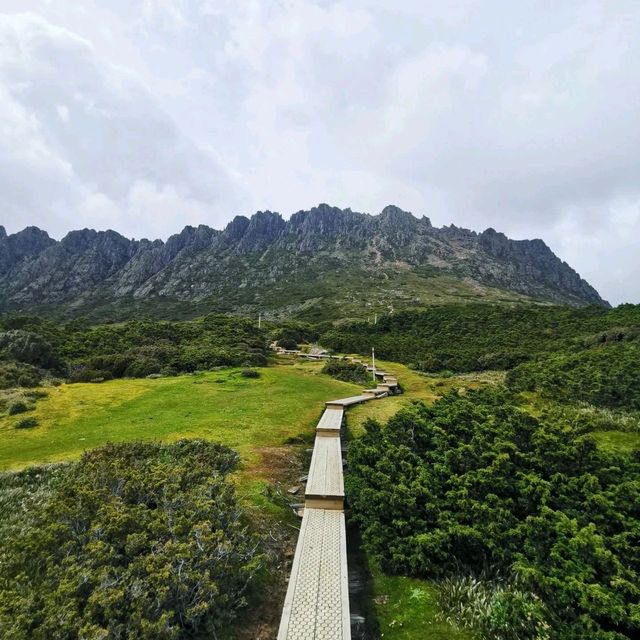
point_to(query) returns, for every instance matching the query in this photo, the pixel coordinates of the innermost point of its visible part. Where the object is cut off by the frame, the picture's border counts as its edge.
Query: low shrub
(347, 372)
(136, 540)
(27, 423)
(19, 406)
(83, 374)
(250, 373)
(18, 374)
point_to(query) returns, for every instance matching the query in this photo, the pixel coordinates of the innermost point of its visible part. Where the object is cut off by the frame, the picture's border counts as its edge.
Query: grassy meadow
(244, 413)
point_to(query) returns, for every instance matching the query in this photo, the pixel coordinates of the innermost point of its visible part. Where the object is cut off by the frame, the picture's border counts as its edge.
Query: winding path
(316, 606)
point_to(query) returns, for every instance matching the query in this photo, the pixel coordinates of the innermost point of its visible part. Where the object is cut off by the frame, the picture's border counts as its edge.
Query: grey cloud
(521, 116)
(90, 139)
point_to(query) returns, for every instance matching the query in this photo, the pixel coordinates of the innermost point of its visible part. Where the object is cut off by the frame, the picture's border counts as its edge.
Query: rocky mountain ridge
(325, 257)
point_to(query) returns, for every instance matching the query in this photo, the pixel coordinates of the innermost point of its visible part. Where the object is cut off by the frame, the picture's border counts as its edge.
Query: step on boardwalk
(316, 606)
(325, 484)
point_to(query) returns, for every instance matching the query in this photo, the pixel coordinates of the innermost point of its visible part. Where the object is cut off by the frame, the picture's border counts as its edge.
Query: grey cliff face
(253, 255)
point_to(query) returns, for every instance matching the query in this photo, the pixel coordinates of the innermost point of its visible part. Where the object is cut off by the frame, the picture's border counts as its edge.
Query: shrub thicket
(18, 406)
(475, 483)
(607, 375)
(27, 423)
(347, 372)
(84, 353)
(135, 541)
(476, 337)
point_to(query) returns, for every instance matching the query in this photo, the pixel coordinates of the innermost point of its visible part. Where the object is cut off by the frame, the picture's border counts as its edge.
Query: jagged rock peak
(29, 241)
(3, 232)
(87, 239)
(392, 215)
(263, 229)
(236, 228)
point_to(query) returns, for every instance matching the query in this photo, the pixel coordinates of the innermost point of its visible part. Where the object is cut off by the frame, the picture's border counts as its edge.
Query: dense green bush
(27, 347)
(135, 541)
(347, 372)
(19, 406)
(27, 423)
(476, 337)
(250, 373)
(605, 376)
(475, 483)
(291, 332)
(18, 374)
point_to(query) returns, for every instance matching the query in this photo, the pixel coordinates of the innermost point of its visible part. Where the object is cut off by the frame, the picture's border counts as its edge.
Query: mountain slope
(322, 263)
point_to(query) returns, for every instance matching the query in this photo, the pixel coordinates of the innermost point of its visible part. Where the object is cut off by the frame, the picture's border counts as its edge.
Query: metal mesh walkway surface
(317, 602)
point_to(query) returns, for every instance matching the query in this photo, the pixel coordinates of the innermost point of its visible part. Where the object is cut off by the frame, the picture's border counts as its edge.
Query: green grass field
(246, 414)
(406, 610)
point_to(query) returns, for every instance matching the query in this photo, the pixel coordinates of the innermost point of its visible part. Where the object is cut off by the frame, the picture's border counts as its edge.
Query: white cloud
(79, 133)
(520, 116)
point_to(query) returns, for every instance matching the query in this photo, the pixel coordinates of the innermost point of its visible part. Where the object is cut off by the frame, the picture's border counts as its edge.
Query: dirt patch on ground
(280, 467)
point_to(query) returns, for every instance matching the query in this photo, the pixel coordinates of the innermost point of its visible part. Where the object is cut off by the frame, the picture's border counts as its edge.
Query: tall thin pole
(373, 362)
(260, 321)
(375, 319)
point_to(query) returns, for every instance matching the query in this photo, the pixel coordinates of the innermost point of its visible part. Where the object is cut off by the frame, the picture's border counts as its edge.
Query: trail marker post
(373, 362)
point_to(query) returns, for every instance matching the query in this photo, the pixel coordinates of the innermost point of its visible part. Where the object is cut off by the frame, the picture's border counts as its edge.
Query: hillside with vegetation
(475, 337)
(323, 264)
(32, 348)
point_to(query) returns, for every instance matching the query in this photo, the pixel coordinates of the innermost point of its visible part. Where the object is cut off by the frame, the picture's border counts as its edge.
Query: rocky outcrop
(253, 260)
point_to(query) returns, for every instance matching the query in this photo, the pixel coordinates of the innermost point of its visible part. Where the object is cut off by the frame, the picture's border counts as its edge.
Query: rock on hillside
(322, 263)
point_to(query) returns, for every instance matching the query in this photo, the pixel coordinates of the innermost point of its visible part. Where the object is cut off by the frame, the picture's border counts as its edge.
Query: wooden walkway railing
(316, 606)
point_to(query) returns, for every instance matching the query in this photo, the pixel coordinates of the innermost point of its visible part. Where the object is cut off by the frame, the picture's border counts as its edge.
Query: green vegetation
(408, 609)
(508, 508)
(133, 541)
(244, 413)
(607, 375)
(478, 337)
(474, 484)
(347, 372)
(27, 423)
(32, 349)
(492, 608)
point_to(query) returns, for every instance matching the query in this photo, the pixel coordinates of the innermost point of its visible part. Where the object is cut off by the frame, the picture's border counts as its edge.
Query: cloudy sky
(146, 116)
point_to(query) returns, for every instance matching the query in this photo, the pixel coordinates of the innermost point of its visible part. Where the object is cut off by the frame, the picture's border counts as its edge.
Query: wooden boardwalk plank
(331, 422)
(325, 484)
(346, 402)
(317, 602)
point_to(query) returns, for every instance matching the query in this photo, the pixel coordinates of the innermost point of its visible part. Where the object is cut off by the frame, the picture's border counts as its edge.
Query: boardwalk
(316, 606)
